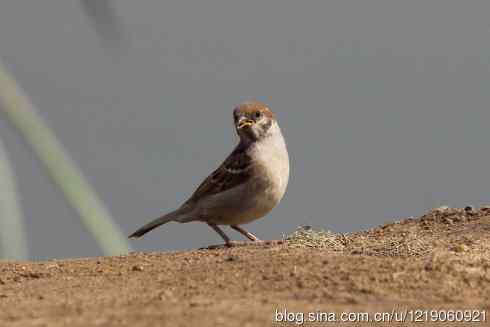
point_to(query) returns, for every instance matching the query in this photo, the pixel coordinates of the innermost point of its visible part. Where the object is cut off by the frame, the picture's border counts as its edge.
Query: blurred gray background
(384, 106)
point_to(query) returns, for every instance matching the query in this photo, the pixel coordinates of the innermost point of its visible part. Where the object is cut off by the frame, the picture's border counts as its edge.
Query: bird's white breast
(272, 158)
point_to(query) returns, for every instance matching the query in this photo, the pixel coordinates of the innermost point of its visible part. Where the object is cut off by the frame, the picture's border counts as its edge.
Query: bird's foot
(230, 244)
(273, 242)
(233, 244)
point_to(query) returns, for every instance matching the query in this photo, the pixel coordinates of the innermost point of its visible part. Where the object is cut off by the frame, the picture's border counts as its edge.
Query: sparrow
(247, 185)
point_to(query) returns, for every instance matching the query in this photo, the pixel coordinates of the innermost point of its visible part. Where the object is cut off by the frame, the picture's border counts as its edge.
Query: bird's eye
(258, 114)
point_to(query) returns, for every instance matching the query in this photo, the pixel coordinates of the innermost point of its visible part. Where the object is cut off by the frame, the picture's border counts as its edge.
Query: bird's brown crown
(251, 107)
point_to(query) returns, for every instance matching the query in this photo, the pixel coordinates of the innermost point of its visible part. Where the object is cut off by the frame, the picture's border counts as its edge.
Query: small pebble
(441, 209)
(231, 258)
(448, 221)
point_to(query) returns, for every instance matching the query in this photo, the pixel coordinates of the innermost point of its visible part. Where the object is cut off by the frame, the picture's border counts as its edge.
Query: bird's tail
(172, 216)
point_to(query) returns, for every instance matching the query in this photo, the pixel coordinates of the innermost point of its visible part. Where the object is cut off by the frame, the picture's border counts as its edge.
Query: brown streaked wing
(235, 170)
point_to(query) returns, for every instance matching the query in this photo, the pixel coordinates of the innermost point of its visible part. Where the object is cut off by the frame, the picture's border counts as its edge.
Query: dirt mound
(408, 237)
(438, 261)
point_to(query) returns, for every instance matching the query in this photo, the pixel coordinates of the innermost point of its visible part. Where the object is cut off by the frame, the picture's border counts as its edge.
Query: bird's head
(253, 121)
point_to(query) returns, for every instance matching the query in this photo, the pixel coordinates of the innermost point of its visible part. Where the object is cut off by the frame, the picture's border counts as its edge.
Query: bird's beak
(244, 122)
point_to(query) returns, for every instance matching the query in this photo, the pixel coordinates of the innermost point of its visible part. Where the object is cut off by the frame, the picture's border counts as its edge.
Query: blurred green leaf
(61, 167)
(13, 241)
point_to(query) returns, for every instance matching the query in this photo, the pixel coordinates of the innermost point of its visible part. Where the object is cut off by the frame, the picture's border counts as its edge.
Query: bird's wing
(235, 170)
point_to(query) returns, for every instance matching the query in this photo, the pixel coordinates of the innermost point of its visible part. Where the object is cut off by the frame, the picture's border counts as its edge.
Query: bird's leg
(221, 233)
(254, 238)
(230, 243)
(248, 235)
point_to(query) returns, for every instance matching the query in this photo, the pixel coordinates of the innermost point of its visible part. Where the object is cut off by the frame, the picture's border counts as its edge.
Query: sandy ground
(439, 261)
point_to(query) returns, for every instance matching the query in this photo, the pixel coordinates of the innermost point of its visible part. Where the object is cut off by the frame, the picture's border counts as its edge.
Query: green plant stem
(13, 241)
(61, 167)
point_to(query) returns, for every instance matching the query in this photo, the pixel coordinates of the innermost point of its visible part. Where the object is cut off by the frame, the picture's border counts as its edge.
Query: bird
(250, 182)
